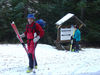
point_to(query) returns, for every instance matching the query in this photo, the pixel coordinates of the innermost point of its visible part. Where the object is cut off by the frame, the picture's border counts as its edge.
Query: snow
(14, 61)
(65, 18)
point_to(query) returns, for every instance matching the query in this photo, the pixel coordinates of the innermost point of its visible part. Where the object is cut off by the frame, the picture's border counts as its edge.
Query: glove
(35, 35)
(36, 39)
(71, 37)
(22, 35)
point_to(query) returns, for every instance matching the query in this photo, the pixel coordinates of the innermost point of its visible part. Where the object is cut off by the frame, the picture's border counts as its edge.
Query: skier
(33, 33)
(76, 39)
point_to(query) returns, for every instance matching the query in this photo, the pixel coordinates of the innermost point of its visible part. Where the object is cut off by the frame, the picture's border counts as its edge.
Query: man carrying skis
(31, 29)
(76, 39)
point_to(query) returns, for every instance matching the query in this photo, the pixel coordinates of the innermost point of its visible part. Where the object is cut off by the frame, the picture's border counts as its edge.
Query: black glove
(71, 37)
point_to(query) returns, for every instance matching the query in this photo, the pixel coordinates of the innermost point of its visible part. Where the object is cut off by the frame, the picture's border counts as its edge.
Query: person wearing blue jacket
(76, 38)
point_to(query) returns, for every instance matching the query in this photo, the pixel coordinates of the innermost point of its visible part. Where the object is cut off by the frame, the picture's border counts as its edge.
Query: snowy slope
(14, 61)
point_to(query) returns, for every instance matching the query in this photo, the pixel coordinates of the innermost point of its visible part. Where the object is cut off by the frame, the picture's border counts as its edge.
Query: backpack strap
(34, 27)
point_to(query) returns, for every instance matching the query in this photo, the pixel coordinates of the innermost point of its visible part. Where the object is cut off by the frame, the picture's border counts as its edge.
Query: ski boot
(29, 70)
(77, 51)
(73, 50)
(35, 67)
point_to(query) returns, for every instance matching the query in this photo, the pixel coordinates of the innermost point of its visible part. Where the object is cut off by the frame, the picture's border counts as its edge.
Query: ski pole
(34, 60)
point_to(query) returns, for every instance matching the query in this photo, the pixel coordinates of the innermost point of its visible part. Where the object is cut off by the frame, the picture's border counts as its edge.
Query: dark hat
(76, 26)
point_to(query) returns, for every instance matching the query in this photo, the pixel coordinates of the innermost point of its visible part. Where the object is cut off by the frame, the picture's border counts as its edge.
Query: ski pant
(31, 62)
(31, 53)
(75, 45)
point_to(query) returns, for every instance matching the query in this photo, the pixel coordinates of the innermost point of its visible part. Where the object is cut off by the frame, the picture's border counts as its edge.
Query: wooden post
(79, 20)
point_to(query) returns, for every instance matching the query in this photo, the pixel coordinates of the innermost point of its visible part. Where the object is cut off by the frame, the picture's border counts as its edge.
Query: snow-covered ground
(14, 61)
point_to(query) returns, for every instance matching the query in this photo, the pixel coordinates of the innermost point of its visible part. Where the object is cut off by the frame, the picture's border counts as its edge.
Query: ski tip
(13, 22)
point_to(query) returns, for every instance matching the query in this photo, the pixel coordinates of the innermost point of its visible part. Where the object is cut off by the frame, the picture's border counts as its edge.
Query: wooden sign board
(66, 33)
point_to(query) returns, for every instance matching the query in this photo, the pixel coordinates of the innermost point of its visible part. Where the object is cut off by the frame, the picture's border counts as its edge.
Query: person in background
(76, 39)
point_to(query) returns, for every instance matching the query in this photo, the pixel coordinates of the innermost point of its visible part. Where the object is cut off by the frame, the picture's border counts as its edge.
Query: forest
(50, 11)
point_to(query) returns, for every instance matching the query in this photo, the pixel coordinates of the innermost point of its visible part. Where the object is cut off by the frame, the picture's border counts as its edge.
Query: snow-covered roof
(65, 18)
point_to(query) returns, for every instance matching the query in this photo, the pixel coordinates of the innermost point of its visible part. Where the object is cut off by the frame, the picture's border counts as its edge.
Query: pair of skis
(71, 45)
(20, 39)
(18, 35)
